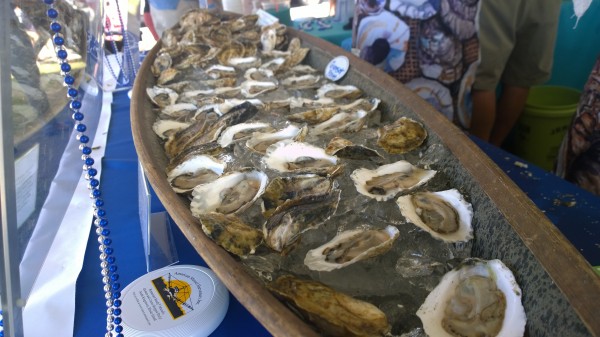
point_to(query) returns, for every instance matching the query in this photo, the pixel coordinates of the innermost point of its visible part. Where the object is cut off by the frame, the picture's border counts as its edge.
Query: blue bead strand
(108, 265)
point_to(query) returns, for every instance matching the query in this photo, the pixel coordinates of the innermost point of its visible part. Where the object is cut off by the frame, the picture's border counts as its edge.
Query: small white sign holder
(157, 236)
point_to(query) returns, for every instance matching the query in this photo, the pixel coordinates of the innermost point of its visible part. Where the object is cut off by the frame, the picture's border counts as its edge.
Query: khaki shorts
(517, 39)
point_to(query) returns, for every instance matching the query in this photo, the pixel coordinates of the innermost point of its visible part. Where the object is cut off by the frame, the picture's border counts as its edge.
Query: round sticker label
(337, 68)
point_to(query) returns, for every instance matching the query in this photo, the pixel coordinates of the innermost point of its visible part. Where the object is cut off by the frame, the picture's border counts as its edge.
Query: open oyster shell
(333, 90)
(334, 313)
(289, 156)
(166, 127)
(282, 230)
(230, 193)
(388, 180)
(351, 246)
(343, 148)
(404, 135)
(240, 131)
(477, 298)
(282, 189)
(231, 233)
(444, 214)
(194, 171)
(261, 141)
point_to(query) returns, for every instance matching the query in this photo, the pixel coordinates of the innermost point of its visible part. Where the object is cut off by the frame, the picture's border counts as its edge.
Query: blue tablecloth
(119, 188)
(574, 211)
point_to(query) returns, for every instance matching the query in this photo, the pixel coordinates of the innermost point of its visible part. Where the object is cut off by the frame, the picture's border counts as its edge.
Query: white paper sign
(26, 170)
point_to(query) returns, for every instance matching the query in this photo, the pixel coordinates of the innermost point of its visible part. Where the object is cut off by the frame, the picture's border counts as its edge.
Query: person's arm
(148, 21)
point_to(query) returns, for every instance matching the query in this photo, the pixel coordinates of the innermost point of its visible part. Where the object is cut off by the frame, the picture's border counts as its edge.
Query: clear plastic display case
(40, 163)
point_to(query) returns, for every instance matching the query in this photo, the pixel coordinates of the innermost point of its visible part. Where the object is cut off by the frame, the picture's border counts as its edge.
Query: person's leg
(508, 110)
(484, 113)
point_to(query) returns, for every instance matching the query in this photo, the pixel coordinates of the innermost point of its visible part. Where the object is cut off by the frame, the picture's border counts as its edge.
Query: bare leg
(484, 113)
(510, 106)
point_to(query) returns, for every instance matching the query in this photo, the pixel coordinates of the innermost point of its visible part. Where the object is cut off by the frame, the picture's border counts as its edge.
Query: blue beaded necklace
(108, 264)
(127, 57)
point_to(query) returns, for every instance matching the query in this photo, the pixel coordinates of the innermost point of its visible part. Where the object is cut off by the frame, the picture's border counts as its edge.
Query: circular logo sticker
(337, 68)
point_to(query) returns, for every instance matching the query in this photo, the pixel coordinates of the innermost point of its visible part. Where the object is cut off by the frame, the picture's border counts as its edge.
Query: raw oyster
(445, 214)
(477, 298)
(197, 17)
(245, 62)
(230, 193)
(169, 75)
(388, 180)
(228, 105)
(162, 96)
(259, 74)
(303, 69)
(369, 105)
(200, 169)
(231, 233)
(261, 141)
(219, 71)
(268, 39)
(289, 156)
(342, 122)
(238, 114)
(282, 230)
(274, 64)
(301, 82)
(343, 148)
(310, 103)
(254, 88)
(296, 56)
(165, 127)
(332, 90)
(178, 141)
(162, 62)
(232, 50)
(211, 149)
(240, 131)
(402, 136)
(334, 313)
(179, 110)
(198, 60)
(282, 189)
(351, 246)
(314, 116)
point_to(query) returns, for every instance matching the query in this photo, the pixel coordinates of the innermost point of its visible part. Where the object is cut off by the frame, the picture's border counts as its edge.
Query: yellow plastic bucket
(543, 124)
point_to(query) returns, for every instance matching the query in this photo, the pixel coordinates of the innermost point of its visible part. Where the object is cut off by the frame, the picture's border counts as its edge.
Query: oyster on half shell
(283, 229)
(282, 189)
(444, 214)
(351, 246)
(231, 233)
(343, 148)
(388, 180)
(240, 132)
(402, 136)
(290, 156)
(334, 313)
(230, 193)
(477, 298)
(196, 170)
(261, 141)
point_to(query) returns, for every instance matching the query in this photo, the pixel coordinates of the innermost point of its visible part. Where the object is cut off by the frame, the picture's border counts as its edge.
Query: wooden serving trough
(561, 293)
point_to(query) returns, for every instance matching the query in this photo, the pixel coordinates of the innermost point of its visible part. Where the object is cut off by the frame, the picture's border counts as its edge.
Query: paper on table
(53, 289)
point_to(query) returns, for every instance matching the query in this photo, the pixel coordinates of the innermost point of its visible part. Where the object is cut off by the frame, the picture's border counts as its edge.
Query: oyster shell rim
(516, 318)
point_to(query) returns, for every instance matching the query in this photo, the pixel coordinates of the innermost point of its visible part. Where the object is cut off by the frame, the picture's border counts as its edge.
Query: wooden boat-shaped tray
(560, 290)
